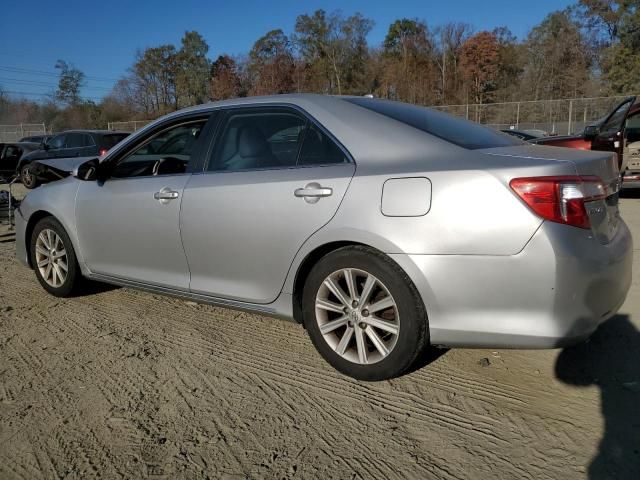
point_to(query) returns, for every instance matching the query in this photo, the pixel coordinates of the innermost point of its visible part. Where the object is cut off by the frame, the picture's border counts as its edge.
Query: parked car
(10, 155)
(36, 139)
(72, 143)
(383, 227)
(617, 132)
(521, 134)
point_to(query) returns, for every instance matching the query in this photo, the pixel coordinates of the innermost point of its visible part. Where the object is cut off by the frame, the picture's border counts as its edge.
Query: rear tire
(54, 259)
(363, 314)
(28, 178)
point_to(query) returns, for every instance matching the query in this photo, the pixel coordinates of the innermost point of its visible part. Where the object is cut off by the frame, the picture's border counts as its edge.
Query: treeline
(589, 49)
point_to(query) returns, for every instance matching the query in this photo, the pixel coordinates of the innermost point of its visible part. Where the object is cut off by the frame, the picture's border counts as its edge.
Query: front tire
(363, 314)
(28, 178)
(54, 259)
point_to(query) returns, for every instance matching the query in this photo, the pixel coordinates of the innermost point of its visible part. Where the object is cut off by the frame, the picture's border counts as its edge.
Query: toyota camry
(382, 227)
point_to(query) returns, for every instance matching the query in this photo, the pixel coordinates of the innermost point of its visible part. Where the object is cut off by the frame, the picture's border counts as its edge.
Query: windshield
(455, 130)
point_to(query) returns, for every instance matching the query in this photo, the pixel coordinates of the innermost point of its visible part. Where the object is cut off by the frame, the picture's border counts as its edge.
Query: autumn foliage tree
(271, 65)
(479, 64)
(225, 81)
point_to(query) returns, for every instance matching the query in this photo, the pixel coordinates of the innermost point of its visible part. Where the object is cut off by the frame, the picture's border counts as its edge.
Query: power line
(12, 92)
(20, 81)
(51, 74)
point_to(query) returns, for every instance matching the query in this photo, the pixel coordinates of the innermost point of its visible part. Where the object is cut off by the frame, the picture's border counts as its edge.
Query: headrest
(251, 142)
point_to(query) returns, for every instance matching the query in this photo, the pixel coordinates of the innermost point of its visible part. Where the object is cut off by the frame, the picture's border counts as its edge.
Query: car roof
(97, 132)
(372, 139)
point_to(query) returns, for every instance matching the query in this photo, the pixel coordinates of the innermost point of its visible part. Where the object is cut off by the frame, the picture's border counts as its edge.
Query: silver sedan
(382, 227)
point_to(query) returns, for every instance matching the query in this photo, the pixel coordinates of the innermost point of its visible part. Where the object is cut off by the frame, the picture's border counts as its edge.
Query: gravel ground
(123, 384)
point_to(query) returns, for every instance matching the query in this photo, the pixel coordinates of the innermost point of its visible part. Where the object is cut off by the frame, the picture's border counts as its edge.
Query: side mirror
(591, 132)
(45, 146)
(88, 170)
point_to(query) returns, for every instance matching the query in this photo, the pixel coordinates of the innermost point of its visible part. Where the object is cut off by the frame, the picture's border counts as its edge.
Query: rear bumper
(554, 293)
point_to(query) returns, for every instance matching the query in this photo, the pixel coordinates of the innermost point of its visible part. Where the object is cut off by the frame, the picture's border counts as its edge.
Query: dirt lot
(122, 384)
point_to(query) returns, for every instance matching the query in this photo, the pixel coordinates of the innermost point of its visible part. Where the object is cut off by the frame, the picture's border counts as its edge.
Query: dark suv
(72, 143)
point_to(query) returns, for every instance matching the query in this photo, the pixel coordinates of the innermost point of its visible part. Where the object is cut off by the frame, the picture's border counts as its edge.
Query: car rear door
(274, 178)
(611, 135)
(128, 225)
(73, 146)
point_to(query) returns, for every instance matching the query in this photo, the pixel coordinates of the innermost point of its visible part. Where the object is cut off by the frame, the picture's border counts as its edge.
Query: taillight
(102, 151)
(560, 199)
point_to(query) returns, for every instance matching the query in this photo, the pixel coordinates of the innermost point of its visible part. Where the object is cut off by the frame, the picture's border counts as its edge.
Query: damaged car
(382, 227)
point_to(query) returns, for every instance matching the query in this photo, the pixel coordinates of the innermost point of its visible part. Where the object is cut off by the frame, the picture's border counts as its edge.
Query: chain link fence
(130, 126)
(13, 133)
(556, 117)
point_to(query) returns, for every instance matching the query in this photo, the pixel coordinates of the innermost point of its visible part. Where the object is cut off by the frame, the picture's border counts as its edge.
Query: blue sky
(101, 37)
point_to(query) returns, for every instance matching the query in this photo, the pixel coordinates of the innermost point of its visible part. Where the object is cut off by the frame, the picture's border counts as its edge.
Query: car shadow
(610, 359)
(90, 287)
(429, 355)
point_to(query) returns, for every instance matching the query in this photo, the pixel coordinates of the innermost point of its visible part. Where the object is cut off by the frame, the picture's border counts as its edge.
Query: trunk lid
(603, 214)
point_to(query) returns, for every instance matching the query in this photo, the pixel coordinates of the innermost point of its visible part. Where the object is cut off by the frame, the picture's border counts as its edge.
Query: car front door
(55, 147)
(128, 225)
(610, 138)
(273, 179)
(9, 158)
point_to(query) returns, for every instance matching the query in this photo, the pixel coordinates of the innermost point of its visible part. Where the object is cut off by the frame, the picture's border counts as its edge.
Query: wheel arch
(31, 224)
(314, 255)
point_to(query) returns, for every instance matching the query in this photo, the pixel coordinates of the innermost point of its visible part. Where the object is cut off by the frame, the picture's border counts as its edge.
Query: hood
(67, 166)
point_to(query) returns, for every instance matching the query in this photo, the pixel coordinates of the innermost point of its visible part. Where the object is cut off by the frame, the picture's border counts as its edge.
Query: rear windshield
(455, 130)
(109, 141)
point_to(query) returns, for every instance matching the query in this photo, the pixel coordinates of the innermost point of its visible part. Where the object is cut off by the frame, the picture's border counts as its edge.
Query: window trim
(209, 117)
(93, 142)
(225, 111)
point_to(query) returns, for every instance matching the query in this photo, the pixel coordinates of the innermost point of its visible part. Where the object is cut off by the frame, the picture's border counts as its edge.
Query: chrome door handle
(165, 195)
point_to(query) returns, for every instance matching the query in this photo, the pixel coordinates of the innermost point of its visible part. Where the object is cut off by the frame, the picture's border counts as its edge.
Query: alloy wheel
(357, 316)
(51, 258)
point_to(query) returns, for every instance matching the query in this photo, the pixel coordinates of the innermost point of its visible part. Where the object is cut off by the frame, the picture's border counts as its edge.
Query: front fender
(57, 199)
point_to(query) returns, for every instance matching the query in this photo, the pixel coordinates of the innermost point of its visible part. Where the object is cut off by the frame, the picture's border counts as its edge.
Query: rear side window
(458, 131)
(109, 141)
(87, 140)
(74, 140)
(257, 139)
(319, 149)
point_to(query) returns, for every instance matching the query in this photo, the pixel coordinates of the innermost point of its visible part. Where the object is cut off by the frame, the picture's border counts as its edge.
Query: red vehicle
(618, 132)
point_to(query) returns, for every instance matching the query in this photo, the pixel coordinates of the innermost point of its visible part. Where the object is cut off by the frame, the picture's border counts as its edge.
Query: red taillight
(560, 199)
(102, 151)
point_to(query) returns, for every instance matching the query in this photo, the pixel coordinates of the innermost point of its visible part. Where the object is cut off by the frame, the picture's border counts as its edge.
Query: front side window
(616, 120)
(166, 153)
(57, 141)
(258, 139)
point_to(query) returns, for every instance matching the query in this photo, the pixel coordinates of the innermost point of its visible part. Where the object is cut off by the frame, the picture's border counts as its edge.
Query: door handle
(313, 192)
(165, 195)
